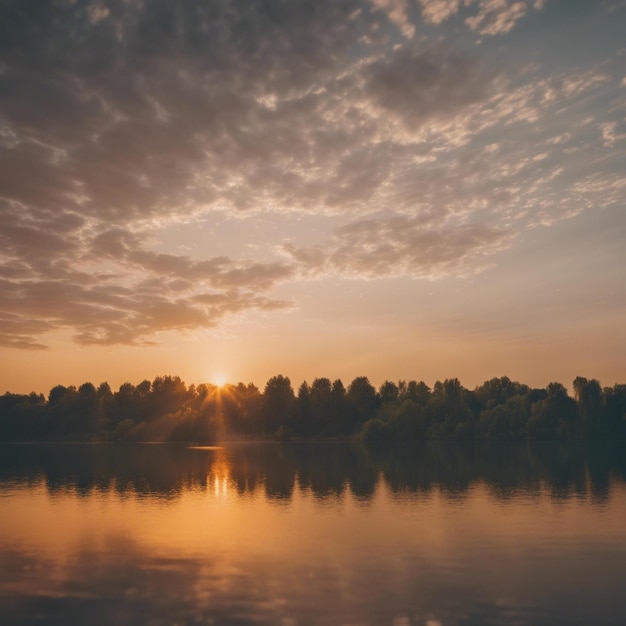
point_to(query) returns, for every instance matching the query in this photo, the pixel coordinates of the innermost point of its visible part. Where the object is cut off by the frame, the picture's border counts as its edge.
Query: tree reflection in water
(326, 470)
(449, 534)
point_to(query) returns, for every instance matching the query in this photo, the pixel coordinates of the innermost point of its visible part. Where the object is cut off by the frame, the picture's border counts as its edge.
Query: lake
(295, 534)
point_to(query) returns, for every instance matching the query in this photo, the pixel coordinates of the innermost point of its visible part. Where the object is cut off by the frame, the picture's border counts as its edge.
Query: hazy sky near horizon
(391, 188)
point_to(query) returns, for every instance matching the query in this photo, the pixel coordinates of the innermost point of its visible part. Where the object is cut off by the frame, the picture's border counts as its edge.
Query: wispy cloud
(487, 17)
(118, 120)
(399, 245)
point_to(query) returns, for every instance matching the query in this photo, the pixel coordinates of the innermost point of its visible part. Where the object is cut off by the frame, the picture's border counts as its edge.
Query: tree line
(166, 409)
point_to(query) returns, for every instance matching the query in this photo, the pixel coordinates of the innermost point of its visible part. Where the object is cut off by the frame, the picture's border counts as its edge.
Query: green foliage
(278, 407)
(553, 417)
(505, 421)
(362, 401)
(376, 430)
(409, 420)
(167, 410)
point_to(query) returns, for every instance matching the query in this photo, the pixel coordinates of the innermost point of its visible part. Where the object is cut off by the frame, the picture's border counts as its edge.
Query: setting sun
(312, 312)
(219, 380)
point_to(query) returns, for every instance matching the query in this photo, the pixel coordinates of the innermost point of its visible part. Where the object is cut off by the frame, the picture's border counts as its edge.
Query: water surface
(312, 534)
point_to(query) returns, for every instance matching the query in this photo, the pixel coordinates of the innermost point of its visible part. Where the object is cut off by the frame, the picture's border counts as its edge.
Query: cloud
(397, 11)
(121, 120)
(125, 248)
(403, 246)
(601, 190)
(437, 11)
(18, 332)
(496, 17)
(610, 135)
(493, 17)
(107, 313)
(418, 85)
(109, 289)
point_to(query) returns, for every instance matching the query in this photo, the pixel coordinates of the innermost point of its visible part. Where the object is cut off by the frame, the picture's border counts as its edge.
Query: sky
(224, 190)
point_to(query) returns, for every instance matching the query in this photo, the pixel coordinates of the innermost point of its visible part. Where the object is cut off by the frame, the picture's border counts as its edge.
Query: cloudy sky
(392, 188)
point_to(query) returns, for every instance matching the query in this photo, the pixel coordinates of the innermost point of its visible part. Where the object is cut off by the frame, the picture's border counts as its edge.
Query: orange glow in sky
(398, 190)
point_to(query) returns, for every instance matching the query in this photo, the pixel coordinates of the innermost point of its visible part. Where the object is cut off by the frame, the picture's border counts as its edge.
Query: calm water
(312, 534)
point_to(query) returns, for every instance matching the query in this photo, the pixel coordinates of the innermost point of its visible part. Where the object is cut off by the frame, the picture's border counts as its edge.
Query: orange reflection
(220, 474)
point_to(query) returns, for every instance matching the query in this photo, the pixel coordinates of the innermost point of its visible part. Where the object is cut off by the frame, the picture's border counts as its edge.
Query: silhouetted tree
(498, 391)
(410, 420)
(591, 408)
(615, 398)
(554, 416)
(167, 410)
(363, 401)
(448, 411)
(304, 420)
(339, 410)
(321, 401)
(388, 392)
(377, 430)
(278, 405)
(418, 392)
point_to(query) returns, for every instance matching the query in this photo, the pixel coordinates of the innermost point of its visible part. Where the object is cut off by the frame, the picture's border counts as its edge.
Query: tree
(363, 399)
(591, 408)
(497, 391)
(303, 425)
(376, 431)
(279, 403)
(56, 394)
(418, 392)
(447, 408)
(388, 392)
(339, 411)
(409, 420)
(615, 398)
(554, 416)
(321, 400)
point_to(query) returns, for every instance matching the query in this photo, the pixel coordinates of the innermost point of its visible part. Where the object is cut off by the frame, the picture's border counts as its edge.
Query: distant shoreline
(167, 410)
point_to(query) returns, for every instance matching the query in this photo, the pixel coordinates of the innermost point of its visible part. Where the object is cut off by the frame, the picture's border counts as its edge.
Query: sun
(219, 380)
